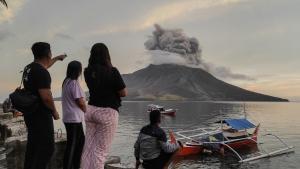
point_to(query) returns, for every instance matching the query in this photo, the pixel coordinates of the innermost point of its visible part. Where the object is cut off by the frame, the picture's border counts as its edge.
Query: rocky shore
(13, 144)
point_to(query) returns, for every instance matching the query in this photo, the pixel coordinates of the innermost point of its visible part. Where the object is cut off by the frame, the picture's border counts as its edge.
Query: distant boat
(169, 112)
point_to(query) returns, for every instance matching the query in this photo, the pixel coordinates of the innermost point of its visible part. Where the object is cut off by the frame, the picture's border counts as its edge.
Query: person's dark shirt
(155, 131)
(37, 77)
(104, 85)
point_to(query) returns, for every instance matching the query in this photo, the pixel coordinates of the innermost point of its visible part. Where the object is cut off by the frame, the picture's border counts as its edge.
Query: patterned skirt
(101, 124)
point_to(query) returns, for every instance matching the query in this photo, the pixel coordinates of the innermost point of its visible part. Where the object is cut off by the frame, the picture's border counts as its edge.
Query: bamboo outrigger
(233, 135)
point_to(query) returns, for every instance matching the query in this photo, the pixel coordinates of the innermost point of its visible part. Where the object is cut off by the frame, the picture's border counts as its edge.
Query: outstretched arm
(53, 60)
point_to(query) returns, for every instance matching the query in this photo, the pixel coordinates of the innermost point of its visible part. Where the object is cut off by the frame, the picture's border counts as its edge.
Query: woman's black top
(104, 84)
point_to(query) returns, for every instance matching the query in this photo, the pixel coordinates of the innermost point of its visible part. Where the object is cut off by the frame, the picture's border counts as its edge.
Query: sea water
(281, 119)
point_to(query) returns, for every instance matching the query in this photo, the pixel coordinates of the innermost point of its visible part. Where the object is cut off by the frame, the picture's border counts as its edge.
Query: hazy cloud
(287, 84)
(59, 32)
(63, 36)
(177, 10)
(256, 38)
(226, 73)
(4, 34)
(168, 12)
(6, 15)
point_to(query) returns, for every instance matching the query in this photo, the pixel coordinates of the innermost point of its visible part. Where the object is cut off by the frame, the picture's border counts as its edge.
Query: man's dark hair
(40, 50)
(154, 116)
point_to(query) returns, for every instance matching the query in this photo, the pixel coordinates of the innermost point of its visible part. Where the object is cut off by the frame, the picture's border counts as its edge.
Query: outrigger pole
(263, 154)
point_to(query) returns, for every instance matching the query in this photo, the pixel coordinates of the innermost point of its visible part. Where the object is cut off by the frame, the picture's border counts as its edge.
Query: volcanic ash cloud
(175, 41)
(173, 46)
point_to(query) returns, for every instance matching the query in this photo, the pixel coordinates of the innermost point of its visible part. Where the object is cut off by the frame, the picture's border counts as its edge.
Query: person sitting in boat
(152, 146)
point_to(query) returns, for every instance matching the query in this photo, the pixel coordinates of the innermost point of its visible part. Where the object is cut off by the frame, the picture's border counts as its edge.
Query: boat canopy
(239, 124)
(155, 106)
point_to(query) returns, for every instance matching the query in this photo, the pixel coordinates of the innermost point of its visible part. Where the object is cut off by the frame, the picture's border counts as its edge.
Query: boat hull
(191, 149)
(169, 113)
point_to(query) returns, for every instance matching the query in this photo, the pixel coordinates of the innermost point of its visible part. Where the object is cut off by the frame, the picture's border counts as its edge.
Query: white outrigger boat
(169, 112)
(232, 135)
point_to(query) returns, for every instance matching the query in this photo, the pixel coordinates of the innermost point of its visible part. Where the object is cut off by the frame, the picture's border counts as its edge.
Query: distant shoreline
(212, 101)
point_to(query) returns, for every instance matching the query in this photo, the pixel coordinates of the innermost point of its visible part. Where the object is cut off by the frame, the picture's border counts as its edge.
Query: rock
(4, 116)
(16, 142)
(118, 166)
(17, 130)
(2, 156)
(12, 121)
(113, 160)
(12, 127)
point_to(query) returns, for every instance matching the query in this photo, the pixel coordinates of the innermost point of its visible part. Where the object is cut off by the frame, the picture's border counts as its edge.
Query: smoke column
(175, 41)
(173, 46)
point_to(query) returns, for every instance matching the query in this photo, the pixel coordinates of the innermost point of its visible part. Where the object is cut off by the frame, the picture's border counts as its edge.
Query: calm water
(279, 118)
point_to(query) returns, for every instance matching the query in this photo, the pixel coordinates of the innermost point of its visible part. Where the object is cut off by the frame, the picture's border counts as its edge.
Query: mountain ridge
(179, 82)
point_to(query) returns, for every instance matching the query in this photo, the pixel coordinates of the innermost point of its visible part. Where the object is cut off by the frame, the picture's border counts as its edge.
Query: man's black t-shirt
(40, 138)
(37, 77)
(104, 85)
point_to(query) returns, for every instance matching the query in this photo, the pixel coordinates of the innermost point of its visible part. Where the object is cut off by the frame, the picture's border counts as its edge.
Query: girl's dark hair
(74, 70)
(100, 56)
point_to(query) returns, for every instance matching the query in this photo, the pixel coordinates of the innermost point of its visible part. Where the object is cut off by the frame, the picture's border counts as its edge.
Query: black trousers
(159, 162)
(40, 140)
(75, 143)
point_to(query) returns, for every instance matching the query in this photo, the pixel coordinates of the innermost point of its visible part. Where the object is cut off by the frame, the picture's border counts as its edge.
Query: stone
(118, 166)
(4, 116)
(113, 160)
(2, 156)
(12, 127)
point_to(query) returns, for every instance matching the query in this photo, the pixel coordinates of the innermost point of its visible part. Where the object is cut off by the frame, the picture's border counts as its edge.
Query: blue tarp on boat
(239, 124)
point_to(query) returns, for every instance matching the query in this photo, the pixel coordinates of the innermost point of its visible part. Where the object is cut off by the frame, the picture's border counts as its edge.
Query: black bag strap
(23, 77)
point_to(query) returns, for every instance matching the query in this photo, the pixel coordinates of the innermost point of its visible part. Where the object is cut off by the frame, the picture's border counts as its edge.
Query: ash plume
(175, 41)
(173, 46)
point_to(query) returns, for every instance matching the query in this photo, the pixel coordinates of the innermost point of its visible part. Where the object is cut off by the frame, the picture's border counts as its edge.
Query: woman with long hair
(73, 105)
(106, 87)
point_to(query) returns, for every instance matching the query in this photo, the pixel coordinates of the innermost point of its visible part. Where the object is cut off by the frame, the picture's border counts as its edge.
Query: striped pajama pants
(101, 124)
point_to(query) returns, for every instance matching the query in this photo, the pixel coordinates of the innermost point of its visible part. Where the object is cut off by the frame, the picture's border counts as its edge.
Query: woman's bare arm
(123, 92)
(81, 104)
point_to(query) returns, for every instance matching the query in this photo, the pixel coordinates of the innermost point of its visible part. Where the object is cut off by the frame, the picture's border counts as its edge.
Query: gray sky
(257, 38)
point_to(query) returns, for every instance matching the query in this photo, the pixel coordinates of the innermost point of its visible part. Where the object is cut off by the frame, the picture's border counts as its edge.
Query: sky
(255, 38)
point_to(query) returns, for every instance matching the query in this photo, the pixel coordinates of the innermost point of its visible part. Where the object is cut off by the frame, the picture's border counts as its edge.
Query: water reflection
(280, 118)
